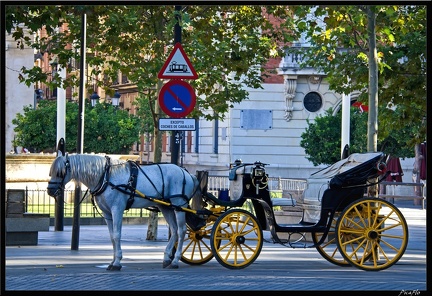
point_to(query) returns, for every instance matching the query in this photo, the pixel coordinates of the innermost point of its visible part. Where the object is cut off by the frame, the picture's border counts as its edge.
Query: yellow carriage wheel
(328, 248)
(196, 247)
(377, 232)
(236, 239)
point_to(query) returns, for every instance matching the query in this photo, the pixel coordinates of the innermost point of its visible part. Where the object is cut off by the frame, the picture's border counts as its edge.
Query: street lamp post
(94, 99)
(38, 95)
(116, 99)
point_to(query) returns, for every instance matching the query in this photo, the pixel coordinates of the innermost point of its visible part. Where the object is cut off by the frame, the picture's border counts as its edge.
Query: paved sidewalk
(53, 266)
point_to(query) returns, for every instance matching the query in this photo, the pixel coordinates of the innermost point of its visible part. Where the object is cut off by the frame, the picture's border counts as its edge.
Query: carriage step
(281, 202)
(300, 227)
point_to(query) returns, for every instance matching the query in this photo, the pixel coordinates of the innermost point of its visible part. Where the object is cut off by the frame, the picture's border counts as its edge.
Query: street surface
(53, 266)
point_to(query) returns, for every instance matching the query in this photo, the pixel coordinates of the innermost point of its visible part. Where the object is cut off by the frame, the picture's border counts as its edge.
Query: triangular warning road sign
(177, 65)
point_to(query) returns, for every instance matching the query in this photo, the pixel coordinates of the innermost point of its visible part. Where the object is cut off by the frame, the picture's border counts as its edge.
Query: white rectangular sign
(176, 124)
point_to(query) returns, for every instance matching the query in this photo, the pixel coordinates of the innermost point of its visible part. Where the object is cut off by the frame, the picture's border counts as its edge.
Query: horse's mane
(87, 168)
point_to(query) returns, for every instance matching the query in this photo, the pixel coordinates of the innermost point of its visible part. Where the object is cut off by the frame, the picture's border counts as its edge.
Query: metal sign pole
(80, 137)
(175, 136)
(59, 207)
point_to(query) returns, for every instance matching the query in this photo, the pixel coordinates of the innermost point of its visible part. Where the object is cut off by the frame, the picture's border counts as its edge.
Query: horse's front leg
(114, 227)
(180, 235)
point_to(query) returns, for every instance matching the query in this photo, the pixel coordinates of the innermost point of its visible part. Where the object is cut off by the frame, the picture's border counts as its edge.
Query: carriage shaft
(163, 202)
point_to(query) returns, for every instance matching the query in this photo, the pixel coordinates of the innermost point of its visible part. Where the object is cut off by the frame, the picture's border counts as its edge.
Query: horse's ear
(59, 153)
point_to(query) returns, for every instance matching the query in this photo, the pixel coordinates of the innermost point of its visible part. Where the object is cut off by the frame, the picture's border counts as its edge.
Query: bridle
(61, 183)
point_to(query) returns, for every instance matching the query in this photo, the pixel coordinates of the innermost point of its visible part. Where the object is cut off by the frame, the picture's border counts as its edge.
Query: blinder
(54, 191)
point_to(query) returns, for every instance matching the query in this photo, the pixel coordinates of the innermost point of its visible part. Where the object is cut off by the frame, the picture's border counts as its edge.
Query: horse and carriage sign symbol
(177, 98)
(177, 65)
(174, 67)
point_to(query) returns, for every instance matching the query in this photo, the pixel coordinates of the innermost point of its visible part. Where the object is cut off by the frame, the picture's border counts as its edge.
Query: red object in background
(363, 108)
(394, 166)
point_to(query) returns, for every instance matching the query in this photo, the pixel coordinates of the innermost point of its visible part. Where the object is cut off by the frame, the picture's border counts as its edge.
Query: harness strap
(162, 195)
(130, 187)
(103, 182)
(163, 182)
(132, 183)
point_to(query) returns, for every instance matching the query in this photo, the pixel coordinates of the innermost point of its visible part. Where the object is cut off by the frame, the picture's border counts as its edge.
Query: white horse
(113, 183)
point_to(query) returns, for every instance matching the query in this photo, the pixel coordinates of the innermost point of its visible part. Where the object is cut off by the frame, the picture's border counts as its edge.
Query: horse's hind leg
(181, 231)
(172, 224)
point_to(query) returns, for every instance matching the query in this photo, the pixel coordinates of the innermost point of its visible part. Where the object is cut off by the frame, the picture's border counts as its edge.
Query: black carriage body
(231, 231)
(344, 187)
(348, 180)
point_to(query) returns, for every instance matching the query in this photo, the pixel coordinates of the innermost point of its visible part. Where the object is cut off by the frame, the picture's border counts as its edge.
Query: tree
(340, 49)
(107, 130)
(36, 128)
(372, 134)
(228, 45)
(321, 139)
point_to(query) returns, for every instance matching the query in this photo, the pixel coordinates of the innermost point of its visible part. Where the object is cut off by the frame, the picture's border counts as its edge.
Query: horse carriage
(348, 228)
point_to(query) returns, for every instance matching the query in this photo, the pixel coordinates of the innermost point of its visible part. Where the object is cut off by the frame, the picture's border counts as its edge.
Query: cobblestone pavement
(53, 266)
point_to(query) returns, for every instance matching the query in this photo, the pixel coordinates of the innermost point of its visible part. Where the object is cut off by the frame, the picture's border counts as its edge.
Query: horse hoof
(114, 267)
(166, 263)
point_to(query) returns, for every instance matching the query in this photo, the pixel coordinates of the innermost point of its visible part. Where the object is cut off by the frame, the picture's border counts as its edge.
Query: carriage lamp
(94, 99)
(116, 99)
(258, 178)
(258, 172)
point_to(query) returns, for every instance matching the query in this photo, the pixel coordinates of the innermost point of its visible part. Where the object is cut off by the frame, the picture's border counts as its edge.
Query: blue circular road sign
(177, 98)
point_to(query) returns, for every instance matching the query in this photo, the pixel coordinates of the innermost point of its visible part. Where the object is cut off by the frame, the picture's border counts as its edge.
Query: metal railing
(38, 201)
(216, 183)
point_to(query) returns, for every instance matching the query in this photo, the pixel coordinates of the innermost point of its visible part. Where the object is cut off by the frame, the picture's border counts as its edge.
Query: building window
(216, 137)
(124, 79)
(312, 101)
(196, 146)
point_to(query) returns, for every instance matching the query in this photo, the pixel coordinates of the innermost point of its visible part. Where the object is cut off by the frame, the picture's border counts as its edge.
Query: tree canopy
(321, 139)
(107, 129)
(339, 47)
(227, 45)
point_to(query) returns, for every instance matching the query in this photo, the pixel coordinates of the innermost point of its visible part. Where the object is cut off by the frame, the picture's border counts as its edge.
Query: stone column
(290, 82)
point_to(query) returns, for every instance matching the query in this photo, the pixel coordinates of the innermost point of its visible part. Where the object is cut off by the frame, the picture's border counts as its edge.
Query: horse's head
(60, 174)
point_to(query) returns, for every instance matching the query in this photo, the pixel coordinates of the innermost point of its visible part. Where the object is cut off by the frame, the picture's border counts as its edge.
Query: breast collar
(128, 188)
(104, 180)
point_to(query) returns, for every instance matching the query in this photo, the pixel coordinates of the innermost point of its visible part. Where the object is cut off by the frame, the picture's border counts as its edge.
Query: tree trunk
(373, 82)
(157, 157)
(416, 173)
(373, 90)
